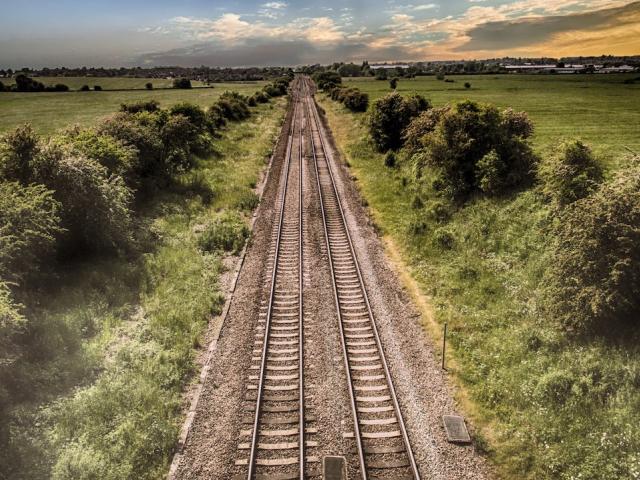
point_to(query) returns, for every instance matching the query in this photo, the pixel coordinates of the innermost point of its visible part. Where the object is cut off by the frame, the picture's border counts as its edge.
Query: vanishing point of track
(279, 429)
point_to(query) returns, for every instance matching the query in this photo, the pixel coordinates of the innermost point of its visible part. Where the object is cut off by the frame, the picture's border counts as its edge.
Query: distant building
(388, 67)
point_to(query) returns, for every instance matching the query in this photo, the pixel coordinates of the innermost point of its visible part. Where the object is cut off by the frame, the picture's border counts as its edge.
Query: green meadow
(600, 109)
(543, 405)
(51, 111)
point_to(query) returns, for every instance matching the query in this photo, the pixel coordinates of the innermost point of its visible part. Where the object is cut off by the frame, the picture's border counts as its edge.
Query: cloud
(427, 6)
(496, 35)
(232, 29)
(275, 5)
(276, 53)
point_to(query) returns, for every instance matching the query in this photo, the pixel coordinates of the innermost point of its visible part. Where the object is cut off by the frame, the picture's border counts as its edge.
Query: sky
(39, 33)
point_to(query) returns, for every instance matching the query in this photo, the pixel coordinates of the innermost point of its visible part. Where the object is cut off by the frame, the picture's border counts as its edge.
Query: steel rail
(301, 303)
(401, 423)
(261, 379)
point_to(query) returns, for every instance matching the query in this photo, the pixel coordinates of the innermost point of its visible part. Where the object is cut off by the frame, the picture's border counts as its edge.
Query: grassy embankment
(547, 407)
(50, 111)
(118, 336)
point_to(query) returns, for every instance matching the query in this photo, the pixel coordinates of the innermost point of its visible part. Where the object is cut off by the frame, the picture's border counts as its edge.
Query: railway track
(381, 438)
(276, 395)
(276, 437)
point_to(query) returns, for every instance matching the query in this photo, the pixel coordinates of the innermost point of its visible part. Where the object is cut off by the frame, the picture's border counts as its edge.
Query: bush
(475, 148)
(227, 233)
(252, 101)
(29, 225)
(85, 88)
(355, 100)
(196, 115)
(97, 88)
(420, 126)
(393, 83)
(327, 79)
(142, 106)
(148, 86)
(60, 87)
(390, 115)
(570, 173)
(234, 106)
(94, 206)
(17, 150)
(216, 117)
(261, 97)
(183, 83)
(143, 136)
(115, 155)
(594, 278)
(467, 85)
(26, 84)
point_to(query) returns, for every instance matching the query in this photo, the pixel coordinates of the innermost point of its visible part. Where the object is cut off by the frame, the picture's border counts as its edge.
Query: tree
(149, 86)
(85, 88)
(327, 79)
(350, 70)
(183, 83)
(467, 85)
(476, 148)
(390, 115)
(393, 83)
(97, 88)
(381, 74)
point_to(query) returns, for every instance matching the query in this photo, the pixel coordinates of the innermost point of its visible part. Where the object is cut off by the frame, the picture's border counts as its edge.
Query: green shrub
(94, 206)
(594, 277)
(248, 201)
(467, 85)
(355, 100)
(29, 226)
(142, 106)
(393, 83)
(12, 324)
(570, 173)
(327, 79)
(475, 148)
(143, 136)
(233, 106)
(17, 150)
(390, 115)
(183, 83)
(85, 88)
(420, 126)
(115, 155)
(226, 233)
(196, 115)
(216, 117)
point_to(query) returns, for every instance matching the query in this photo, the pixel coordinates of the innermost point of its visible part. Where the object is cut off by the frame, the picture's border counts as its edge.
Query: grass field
(600, 109)
(108, 83)
(545, 407)
(51, 111)
(118, 334)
